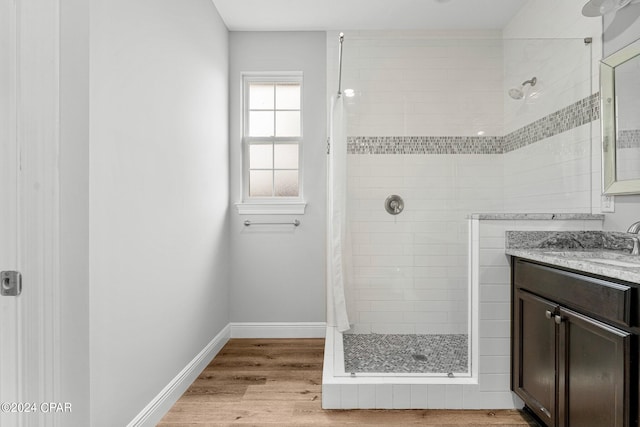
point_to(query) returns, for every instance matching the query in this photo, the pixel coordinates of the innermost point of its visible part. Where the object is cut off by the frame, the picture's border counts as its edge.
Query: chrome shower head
(518, 92)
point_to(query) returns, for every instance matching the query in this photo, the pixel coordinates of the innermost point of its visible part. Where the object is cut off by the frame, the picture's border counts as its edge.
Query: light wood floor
(278, 382)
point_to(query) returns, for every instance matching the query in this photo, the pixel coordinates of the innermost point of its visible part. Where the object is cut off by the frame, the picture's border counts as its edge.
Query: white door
(10, 367)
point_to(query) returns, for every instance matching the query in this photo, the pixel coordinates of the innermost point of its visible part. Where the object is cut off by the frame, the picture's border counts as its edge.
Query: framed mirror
(620, 119)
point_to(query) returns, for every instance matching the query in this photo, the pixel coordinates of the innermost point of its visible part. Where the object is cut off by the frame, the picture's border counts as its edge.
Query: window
(272, 139)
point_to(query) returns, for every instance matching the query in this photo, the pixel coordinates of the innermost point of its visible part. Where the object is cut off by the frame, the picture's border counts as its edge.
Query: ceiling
(299, 15)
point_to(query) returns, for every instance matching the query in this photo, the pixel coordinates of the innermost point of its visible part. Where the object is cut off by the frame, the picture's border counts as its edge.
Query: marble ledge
(569, 240)
(603, 253)
(536, 216)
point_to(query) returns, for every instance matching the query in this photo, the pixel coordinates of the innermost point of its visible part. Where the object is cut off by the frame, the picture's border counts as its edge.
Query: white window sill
(279, 208)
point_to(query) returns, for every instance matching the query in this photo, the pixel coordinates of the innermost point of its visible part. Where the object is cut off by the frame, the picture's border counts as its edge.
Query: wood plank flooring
(278, 382)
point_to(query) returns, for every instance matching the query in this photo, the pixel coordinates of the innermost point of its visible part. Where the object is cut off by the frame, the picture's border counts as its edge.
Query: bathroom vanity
(575, 327)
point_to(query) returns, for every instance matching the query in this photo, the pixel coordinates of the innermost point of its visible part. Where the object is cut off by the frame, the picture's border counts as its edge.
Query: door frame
(36, 117)
(9, 306)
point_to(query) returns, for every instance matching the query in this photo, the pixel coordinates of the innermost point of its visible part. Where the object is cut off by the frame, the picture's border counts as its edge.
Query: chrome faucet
(635, 229)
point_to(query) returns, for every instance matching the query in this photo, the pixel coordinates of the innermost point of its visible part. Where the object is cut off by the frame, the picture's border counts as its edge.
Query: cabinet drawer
(608, 300)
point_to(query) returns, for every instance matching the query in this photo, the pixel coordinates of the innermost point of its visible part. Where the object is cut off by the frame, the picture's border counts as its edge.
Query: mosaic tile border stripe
(425, 145)
(577, 114)
(628, 139)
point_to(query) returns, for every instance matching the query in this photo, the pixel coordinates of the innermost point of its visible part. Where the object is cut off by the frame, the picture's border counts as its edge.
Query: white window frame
(273, 204)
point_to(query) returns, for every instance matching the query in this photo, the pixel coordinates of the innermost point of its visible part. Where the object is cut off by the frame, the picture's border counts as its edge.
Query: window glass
(260, 183)
(272, 137)
(261, 96)
(288, 96)
(286, 183)
(261, 123)
(286, 156)
(287, 123)
(261, 156)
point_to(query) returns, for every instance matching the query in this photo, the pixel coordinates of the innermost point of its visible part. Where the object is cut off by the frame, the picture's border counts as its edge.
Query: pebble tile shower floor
(404, 353)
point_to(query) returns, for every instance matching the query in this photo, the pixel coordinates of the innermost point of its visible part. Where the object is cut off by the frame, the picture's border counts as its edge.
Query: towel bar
(295, 223)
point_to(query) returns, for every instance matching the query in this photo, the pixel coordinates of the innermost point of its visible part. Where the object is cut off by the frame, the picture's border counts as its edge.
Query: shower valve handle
(394, 204)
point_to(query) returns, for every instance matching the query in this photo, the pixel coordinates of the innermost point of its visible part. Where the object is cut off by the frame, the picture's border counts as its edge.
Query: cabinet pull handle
(558, 319)
(547, 314)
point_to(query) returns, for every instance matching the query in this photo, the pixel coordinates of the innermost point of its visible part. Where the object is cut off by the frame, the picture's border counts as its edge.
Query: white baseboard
(160, 405)
(279, 330)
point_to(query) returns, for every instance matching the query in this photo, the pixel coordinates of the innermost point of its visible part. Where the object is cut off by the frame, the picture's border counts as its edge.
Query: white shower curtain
(338, 239)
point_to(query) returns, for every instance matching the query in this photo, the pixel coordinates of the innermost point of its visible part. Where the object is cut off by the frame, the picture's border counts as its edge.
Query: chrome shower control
(394, 204)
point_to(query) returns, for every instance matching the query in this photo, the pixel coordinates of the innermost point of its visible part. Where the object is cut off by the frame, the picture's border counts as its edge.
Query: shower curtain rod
(340, 64)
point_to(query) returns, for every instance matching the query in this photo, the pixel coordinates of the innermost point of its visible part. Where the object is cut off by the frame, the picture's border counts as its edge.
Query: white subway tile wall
(563, 19)
(552, 175)
(423, 84)
(410, 270)
(562, 68)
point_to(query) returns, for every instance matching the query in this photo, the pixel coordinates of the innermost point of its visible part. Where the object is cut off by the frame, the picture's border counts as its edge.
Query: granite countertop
(536, 216)
(597, 252)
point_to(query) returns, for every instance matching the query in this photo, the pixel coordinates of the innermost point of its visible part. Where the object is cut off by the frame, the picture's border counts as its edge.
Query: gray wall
(278, 272)
(620, 30)
(158, 223)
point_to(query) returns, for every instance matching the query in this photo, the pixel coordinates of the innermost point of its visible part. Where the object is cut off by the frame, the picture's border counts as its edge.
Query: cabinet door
(593, 373)
(534, 354)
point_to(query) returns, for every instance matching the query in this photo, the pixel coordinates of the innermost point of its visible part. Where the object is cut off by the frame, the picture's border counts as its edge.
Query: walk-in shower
(417, 150)
(400, 294)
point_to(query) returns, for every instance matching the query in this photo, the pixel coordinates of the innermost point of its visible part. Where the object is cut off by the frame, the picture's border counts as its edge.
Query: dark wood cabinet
(593, 371)
(571, 365)
(534, 360)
